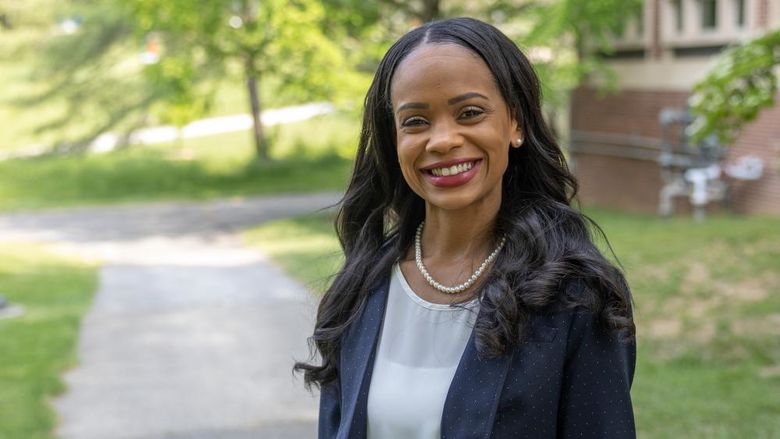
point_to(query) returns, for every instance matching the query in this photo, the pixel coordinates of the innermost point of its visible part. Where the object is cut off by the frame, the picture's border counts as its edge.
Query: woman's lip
(453, 180)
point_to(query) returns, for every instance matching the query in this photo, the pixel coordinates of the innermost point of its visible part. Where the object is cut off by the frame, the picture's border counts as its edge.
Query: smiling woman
(472, 301)
(453, 130)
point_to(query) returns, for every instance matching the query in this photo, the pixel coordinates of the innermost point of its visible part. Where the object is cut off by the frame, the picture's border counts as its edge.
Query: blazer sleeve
(330, 410)
(598, 372)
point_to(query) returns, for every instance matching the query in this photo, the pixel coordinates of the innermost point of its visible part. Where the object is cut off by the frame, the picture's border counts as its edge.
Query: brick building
(616, 138)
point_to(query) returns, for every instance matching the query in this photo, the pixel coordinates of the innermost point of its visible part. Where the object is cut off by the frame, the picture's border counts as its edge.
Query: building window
(679, 18)
(709, 14)
(739, 5)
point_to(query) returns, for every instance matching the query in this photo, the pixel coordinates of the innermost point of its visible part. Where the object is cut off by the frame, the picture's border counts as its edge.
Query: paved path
(191, 335)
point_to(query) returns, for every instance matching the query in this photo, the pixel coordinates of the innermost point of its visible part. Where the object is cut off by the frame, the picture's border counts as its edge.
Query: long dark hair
(548, 243)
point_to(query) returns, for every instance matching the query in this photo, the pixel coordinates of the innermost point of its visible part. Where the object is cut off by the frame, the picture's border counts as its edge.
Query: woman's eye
(413, 121)
(471, 112)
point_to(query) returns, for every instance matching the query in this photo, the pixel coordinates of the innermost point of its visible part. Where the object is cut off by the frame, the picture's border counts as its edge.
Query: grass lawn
(305, 247)
(38, 346)
(707, 300)
(308, 156)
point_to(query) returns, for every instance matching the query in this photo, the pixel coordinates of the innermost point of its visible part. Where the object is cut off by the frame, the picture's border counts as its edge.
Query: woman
(472, 302)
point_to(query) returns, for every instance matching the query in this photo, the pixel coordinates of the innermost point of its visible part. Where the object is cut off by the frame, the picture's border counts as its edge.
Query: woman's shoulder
(578, 309)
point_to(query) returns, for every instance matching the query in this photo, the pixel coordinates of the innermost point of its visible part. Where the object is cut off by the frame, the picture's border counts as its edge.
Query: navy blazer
(569, 379)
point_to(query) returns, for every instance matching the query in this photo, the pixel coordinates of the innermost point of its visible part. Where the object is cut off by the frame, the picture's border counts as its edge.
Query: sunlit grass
(707, 306)
(38, 346)
(306, 247)
(17, 69)
(198, 168)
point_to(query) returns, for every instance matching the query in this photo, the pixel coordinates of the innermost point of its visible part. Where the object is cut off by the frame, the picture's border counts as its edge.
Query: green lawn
(707, 309)
(38, 346)
(306, 247)
(308, 156)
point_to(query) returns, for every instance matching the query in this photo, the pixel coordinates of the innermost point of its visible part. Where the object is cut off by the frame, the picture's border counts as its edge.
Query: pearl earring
(519, 142)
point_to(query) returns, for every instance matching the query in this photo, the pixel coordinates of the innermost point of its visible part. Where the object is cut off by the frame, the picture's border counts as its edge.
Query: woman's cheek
(405, 172)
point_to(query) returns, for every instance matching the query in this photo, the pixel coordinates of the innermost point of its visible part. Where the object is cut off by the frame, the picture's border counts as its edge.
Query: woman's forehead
(437, 66)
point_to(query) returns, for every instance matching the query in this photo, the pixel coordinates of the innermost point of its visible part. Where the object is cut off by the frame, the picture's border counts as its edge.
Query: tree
(273, 37)
(577, 32)
(314, 49)
(200, 44)
(742, 83)
(576, 35)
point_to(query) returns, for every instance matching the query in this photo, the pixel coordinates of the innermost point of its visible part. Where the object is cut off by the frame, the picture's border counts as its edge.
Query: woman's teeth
(452, 170)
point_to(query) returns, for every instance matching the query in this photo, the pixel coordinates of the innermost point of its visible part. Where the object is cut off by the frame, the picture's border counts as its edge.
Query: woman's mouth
(452, 170)
(452, 175)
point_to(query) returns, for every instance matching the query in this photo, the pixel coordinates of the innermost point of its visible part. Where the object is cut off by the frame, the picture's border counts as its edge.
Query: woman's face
(453, 128)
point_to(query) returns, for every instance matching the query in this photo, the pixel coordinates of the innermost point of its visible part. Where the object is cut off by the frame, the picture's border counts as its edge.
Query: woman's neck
(458, 235)
(454, 244)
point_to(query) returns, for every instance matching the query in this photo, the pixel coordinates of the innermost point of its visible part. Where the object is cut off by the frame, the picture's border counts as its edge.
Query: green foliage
(98, 74)
(578, 33)
(36, 348)
(742, 83)
(188, 98)
(298, 51)
(206, 39)
(591, 26)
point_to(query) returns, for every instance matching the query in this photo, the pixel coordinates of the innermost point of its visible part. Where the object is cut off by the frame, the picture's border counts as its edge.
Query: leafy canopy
(742, 83)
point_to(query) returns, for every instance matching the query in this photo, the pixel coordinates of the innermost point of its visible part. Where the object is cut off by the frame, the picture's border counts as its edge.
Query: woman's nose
(444, 137)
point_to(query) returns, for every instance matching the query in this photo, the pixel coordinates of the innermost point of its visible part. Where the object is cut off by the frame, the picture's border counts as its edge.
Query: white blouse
(419, 350)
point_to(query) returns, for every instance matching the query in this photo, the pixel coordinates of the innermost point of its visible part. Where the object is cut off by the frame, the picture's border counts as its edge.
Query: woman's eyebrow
(464, 96)
(450, 101)
(413, 106)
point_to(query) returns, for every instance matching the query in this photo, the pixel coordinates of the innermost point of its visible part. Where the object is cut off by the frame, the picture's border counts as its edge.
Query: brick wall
(624, 183)
(762, 14)
(631, 181)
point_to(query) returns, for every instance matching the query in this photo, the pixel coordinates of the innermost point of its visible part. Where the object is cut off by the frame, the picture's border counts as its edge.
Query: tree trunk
(252, 79)
(431, 10)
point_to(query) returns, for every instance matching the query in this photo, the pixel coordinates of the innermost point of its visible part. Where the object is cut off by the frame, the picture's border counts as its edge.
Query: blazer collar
(472, 399)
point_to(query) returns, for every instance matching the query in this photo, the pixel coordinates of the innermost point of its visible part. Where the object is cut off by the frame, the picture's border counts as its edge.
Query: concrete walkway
(191, 335)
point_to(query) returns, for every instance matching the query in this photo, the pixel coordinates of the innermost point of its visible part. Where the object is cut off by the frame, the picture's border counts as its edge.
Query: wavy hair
(548, 242)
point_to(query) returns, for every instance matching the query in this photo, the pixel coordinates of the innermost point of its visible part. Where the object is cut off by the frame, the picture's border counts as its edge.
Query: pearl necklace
(457, 288)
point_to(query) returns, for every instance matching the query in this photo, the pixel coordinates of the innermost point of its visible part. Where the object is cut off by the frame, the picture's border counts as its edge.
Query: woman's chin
(453, 202)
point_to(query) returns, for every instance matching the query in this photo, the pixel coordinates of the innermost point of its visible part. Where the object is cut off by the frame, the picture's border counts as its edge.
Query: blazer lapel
(472, 400)
(357, 356)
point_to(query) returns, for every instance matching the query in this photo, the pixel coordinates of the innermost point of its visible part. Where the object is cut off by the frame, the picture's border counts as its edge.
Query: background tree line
(305, 50)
